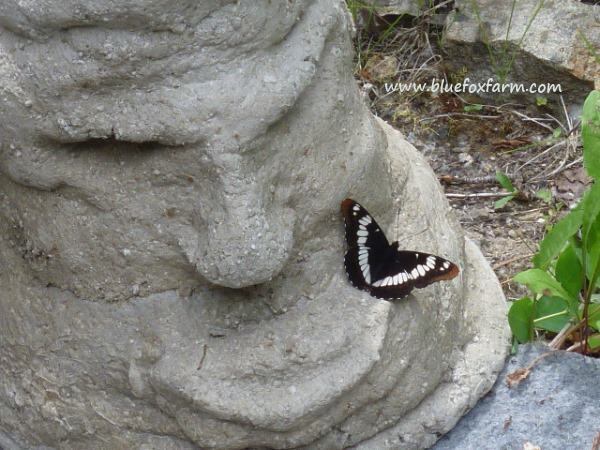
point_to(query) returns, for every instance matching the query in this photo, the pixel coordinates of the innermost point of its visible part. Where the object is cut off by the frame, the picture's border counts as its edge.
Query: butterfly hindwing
(406, 270)
(386, 272)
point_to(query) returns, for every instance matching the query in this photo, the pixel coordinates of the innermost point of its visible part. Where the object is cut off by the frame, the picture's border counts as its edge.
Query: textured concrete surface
(556, 407)
(171, 266)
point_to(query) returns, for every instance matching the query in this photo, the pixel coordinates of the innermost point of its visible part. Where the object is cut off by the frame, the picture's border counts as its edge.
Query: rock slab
(556, 407)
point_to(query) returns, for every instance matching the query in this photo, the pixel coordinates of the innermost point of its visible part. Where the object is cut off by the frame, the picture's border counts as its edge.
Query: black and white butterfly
(375, 266)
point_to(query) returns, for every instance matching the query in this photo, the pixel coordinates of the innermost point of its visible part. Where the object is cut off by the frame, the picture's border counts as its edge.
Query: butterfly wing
(375, 266)
(365, 241)
(405, 270)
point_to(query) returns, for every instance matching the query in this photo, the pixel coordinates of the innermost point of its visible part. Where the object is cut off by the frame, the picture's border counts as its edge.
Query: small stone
(465, 158)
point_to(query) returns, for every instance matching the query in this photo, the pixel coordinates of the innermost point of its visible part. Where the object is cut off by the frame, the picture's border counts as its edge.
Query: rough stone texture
(549, 46)
(171, 254)
(414, 8)
(556, 407)
(410, 7)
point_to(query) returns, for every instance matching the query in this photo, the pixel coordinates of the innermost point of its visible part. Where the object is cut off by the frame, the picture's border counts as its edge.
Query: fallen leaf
(514, 378)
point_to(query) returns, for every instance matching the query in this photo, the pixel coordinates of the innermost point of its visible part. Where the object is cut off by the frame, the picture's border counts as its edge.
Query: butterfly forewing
(372, 264)
(365, 241)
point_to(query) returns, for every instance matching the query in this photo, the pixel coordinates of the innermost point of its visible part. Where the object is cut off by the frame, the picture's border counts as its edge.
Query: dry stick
(472, 116)
(511, 260)
(562, 169)
(567, 117)
(574, 347)
(479, 195)
(543, 174)
(514, 378)
(596, 443)
(536, 120)
(563, 334)
(433, 8)
(204, 348)
(468, 180)
(555, 171)
(539, 155)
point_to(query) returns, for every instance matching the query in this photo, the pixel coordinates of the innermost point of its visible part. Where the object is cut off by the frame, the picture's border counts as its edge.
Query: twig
(567, 117)
(472, 116)
(563, 334)
(574, 347)
(563, 168)
(596, 443)
(514, 378)
(537, 120)
(511, 260)
(539, 155)
(433, 8)
(489, 179)
(556, 170)
(204, 347)
(479, 195)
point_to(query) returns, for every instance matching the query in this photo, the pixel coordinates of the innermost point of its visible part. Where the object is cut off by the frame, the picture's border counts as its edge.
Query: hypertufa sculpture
(171, 252)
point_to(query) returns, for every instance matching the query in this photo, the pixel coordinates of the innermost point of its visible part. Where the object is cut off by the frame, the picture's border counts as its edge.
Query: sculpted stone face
(158, 132)
(171, 270)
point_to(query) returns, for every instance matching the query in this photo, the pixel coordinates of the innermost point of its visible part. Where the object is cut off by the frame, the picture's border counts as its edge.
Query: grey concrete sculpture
(171, 246)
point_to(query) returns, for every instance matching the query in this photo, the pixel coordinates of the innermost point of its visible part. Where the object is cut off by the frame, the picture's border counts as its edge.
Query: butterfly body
(382, 269)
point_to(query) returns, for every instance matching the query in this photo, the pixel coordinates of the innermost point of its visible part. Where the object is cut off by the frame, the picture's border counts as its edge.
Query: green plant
(544, 195)
(503, 60)
(566, 269)
(592, 50)
(505, 182)
(472, 107)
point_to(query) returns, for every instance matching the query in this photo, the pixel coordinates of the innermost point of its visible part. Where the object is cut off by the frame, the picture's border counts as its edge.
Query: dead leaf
(380, 68)
(510, 143)
(507, 422)
(596, 443)
(514, 378)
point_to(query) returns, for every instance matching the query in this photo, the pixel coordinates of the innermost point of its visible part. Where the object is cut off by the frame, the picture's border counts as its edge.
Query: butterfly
(380, 268)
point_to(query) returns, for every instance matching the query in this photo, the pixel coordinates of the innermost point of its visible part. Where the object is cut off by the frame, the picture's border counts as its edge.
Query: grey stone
(556, 407)
(171, 255)
(414, 8)
(542, 46)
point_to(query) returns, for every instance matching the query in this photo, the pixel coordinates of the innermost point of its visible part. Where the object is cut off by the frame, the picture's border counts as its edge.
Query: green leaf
(591, 231)
(557, 133)
(591, 208)
(551, 314)
(592, 245)
(555, 239)
(545, 195)
(590, 133)
(503, 201)
(594, 341)
(473, 107)
(541, 282)
(505, 182)
(568, 271)
(594, 315)
(520, 319)
(540, 100)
